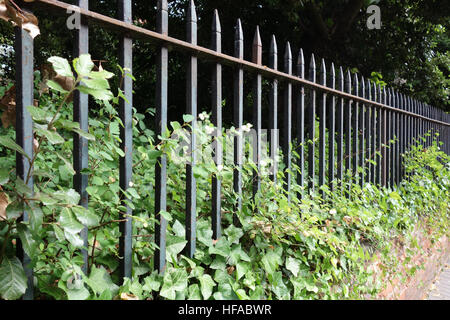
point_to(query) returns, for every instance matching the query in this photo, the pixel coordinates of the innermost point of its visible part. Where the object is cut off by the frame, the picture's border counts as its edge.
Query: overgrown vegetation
(306, 248)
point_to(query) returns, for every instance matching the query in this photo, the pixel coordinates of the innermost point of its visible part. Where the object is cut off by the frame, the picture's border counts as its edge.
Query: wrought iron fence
(361, 117)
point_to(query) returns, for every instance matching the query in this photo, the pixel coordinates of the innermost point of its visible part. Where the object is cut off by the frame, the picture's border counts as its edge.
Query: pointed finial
(288, 59)
(239, 34)
(323, 72)
(217, 28)
(273, 46)
(355, 84)
(341, 79)
(239, 41)
(312, 69)
(332, 80)
(257, 47)
(301, 64)
(363, 87)
(191, 12)
(216, 33)
(368, 89)
(348, 82)
(273, 53)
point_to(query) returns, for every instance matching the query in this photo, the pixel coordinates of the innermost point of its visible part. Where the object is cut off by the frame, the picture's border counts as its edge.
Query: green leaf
(52, 136)
(84, 134)
(166, 215)
(39, 115)
(188, 118)
(153, 282)
(76, 293)
(293, 265)
(13, 281)
(61, 66)
(174, 245)
(100, 281)
(85, 216)
(241, 269)
(83, 65)
(10, 144)
(154, 154)
(100, 74)
(96, 84)
(207, 284)
(69, 196)
(28, 243)
(15, 210)
(102, 94)
(178, 229)
(222, 248)
(233, 233)
(67, 163)
(270, 262)
(56, 86)
(4, 176)
(225, 292)
(74, 239)
(194, 292)
(69, 223)
(59, 233)
(174, 280)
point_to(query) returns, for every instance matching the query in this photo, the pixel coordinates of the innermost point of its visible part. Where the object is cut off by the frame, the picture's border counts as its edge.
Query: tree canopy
(410, 52)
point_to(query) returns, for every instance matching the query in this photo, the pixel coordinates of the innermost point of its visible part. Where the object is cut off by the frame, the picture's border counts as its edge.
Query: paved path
(440, 290)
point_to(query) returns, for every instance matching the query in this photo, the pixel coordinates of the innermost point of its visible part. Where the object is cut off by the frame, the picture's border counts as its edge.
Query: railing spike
(191, 12)
(257, 47)
(217, 28)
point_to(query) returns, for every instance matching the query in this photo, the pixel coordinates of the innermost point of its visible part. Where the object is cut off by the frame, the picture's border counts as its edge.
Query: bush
(308, 248)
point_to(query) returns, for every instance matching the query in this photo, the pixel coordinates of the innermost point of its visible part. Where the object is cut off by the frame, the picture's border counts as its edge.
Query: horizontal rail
(192, 49)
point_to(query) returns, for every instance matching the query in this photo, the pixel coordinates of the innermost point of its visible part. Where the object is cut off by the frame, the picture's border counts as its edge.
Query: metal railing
(361, 117)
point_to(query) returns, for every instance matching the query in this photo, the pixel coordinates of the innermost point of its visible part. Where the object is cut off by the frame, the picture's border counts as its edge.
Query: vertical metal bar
(24, 50)
(355, 129)
(301, 121)
(362, 130)
(348, 131)
(368, 123)
(389, 120)
(257, 91)
(161, 125)
(287, 120)
(384, 129)
(126, 136)
(273, 112)
(379, 140)
(393, 136)
(399, 145)
(403, 136)
(373, 135)
(332, 130)
(217, 122)
(322, 126)
(80, 144)
(238, 119)
(191, 108)
(311, 125)
(340, 130)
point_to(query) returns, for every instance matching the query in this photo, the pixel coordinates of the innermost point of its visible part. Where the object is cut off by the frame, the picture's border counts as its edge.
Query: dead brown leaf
(10, 11)
(3, 204)
(128, 296)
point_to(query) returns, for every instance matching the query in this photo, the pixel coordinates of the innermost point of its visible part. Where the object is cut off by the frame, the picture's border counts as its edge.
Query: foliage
(306, 248)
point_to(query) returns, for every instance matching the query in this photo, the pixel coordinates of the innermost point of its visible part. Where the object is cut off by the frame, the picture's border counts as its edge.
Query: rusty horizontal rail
(205, 53)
